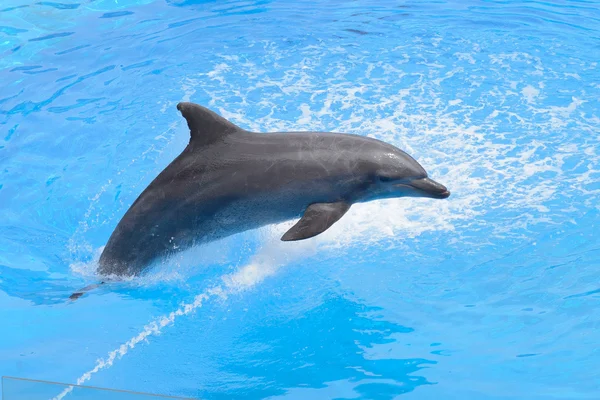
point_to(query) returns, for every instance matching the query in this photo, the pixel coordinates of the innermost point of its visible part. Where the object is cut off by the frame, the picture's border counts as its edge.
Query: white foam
(439, 133)
(167, 143)
(573, 75)
(530, 93)
(465, 56)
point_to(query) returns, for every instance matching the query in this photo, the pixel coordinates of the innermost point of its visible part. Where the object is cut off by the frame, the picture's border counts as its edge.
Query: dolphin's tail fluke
(81, 292)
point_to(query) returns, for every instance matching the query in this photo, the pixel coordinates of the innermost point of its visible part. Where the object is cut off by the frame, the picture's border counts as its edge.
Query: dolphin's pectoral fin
(206, 126)
(317, 219)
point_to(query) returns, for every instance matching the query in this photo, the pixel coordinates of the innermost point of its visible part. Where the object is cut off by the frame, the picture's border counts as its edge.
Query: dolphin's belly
(148, 233)
(241, 214)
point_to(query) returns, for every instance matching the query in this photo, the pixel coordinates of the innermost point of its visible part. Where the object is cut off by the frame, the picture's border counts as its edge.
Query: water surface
(491, 294)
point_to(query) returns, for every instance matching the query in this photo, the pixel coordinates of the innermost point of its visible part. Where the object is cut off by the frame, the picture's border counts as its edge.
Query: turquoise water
(490, 294)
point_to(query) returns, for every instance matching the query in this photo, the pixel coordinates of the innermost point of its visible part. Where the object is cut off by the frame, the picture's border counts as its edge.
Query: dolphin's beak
(431, 188)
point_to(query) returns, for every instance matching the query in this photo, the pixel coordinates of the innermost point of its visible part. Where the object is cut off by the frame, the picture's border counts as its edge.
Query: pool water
(490, 294)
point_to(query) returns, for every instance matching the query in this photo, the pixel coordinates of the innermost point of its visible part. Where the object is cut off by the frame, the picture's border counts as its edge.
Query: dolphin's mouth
(430, 187)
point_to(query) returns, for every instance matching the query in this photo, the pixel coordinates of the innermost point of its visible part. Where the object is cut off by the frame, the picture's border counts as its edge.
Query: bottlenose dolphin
(228, 180)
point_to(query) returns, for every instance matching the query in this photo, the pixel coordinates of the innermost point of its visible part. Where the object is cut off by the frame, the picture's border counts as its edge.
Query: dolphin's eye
(385, 178)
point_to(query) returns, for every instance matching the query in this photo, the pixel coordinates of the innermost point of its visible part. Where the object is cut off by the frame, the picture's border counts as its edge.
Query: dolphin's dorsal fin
(206, 126)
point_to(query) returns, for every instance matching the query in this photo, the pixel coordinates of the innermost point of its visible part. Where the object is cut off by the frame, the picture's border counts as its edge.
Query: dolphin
(228, 180)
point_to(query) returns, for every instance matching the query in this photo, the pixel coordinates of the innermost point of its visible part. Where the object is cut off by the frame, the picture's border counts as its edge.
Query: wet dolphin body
(228, 180)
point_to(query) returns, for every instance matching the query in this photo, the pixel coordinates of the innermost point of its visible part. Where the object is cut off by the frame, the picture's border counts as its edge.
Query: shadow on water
(340, 344)
(169, 278)
(41, 288)
(35, 286)
(32, 265)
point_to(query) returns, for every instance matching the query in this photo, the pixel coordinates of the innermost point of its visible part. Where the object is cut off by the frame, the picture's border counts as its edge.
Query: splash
(497, 148)
(262, 265)
(165, 145)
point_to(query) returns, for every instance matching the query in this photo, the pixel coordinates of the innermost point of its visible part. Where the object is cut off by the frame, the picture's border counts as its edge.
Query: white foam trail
(264, 264)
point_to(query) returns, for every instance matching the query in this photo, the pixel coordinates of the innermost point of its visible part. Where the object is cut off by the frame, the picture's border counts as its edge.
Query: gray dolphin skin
(228, 180)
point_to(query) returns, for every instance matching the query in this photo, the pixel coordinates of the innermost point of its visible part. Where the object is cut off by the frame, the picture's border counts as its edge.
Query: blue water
(490, 294)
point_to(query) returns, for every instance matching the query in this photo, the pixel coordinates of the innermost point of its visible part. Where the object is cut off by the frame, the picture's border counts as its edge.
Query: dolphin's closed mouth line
(431, 188)
(444, 195)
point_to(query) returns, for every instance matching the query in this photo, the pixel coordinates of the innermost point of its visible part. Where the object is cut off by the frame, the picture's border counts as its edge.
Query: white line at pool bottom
(263, 265)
